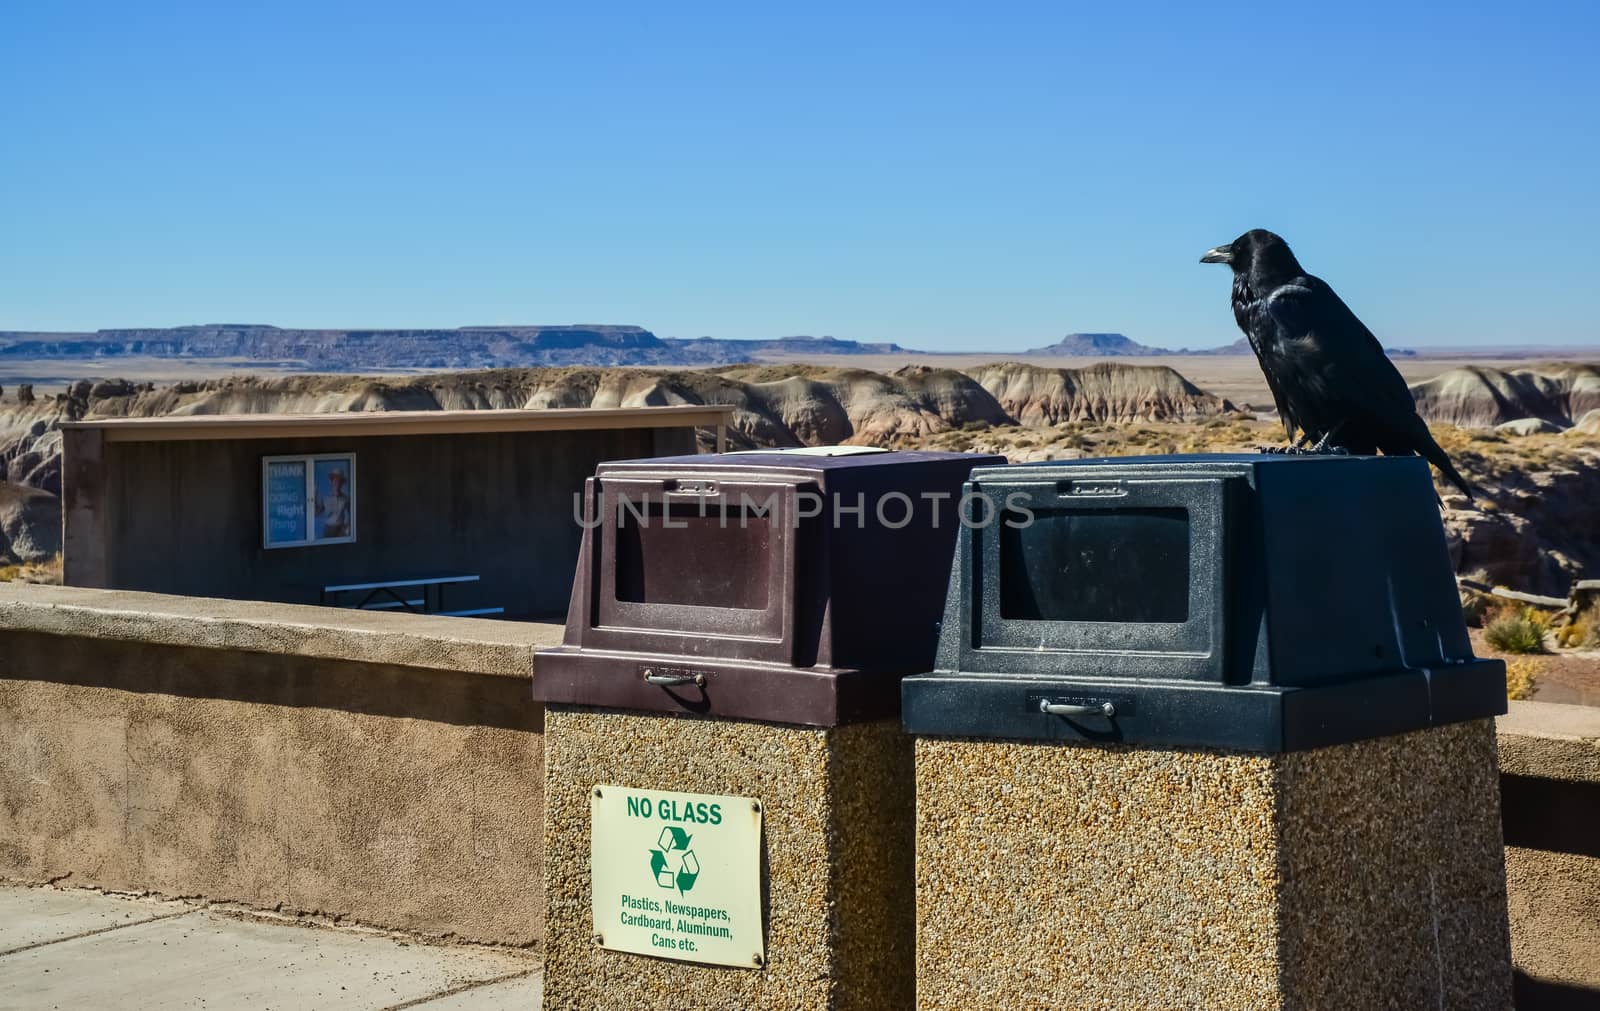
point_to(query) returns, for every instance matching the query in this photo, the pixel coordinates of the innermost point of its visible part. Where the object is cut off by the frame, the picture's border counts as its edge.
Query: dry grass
(1520, 676)
(48, 571)
(1490, 457)
(1074, 439)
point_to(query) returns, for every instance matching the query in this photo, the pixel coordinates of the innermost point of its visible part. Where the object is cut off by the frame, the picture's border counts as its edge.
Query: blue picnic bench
(418, 596)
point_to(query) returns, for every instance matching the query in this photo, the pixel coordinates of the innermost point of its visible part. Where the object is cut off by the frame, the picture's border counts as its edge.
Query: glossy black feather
(1328, 374)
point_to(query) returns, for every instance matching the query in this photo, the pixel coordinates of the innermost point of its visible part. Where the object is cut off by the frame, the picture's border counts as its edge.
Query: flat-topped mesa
(1095, 344)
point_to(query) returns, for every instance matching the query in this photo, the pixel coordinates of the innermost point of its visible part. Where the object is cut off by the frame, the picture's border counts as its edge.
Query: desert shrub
(1576, 634)
(1582, 632)
(1474, 607)
(1520, 675)
(1515, 631)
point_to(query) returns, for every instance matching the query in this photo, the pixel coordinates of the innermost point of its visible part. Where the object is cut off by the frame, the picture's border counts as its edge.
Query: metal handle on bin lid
(1072, 709)
(672, 680)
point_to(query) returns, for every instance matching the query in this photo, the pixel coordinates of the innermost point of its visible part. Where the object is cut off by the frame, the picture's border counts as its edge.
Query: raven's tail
(1433, 454)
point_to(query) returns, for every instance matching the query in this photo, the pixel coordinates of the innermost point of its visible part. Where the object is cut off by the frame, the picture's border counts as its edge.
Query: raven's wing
(1286, 415)
(1352, 373)
(1260, 331)
(1351, 367)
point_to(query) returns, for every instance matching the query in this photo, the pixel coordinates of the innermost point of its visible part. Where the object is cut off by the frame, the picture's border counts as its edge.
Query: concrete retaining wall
(388, 769)
(385, 769)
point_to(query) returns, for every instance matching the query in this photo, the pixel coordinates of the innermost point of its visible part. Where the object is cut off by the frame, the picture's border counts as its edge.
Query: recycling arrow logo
(672, 861)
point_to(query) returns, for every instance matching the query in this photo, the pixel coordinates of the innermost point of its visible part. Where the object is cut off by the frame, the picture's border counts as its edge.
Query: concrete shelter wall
(148, 745)
(1550, 794)
(184, 517)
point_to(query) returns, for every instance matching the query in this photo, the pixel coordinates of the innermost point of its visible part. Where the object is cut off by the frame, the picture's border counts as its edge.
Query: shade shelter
(287, 507)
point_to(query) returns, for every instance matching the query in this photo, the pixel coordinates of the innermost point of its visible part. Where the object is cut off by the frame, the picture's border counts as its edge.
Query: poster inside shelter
(286, 502)
(308, 500)
(333, 499)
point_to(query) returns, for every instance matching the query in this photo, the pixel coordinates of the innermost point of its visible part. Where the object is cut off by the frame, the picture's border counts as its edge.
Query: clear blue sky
(984, 176)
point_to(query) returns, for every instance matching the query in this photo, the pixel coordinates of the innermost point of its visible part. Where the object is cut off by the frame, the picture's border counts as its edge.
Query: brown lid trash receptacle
(790, 586)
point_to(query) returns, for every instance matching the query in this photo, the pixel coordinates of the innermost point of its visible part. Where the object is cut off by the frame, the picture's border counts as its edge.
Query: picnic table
(419, 596)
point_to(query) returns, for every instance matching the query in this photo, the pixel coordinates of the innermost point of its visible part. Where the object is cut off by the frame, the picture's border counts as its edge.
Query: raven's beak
(1222, 254)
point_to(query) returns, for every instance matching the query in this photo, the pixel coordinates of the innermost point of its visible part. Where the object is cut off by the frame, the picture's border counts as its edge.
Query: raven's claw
(1323, 445)
(1321, 449)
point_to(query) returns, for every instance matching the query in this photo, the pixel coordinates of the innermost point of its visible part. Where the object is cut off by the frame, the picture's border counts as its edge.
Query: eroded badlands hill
(1538, 529)
(787, 405)
(1562, 394)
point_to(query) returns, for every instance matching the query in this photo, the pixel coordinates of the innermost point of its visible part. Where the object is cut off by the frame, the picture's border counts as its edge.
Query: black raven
(1328, 374)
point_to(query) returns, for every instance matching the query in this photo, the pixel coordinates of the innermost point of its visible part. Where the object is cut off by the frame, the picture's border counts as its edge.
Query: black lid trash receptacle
(1257, 602)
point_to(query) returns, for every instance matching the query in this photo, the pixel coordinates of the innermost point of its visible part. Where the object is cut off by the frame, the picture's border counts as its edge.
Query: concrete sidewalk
(79, 949)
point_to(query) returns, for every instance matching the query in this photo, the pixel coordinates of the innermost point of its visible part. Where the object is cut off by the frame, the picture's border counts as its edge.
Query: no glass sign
(677, 875)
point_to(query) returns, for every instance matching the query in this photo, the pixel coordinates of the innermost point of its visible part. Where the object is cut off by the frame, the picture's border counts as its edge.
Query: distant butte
(515, 346)
(348, 350)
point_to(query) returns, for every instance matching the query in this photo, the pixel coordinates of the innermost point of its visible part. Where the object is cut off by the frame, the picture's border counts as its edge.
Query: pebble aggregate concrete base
(1366, 875)
(837, 860)
(1550, 761)
(80, 949)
